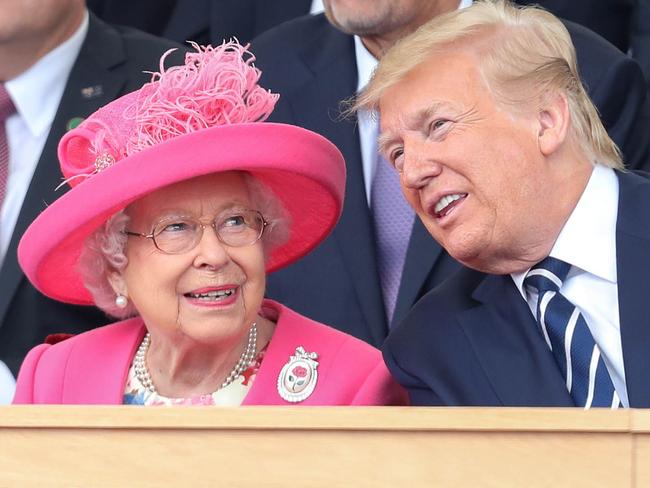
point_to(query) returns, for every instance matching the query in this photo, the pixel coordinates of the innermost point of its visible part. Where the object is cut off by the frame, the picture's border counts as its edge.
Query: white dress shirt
(588, 242)
(36, 94)
(316, 7)
(7, 385)
(368, 122)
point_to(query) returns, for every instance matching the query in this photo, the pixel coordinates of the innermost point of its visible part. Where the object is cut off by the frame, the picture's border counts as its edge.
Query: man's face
(380, 17)
(22, 20)
(472, 171)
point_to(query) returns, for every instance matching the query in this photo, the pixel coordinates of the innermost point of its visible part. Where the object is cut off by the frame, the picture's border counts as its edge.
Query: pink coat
(92, 368)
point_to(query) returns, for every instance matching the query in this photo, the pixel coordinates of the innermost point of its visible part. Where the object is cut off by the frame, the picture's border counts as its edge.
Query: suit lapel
(330, 59)
(633, 270)
(101, 50)
(513, 355)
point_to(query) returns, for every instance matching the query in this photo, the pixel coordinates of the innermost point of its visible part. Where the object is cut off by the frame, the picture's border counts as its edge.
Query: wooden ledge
(325, 418)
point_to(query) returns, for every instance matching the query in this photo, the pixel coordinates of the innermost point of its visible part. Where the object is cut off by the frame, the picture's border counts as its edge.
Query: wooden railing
(97, 446)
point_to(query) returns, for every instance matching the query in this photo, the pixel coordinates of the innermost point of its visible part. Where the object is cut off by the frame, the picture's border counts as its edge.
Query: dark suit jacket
(624, 23)
(147, 15)
(113, 60)
(608, 18)
(640, 32)
(474, 341)
(312, 65)
(212, 21)
(202, 21)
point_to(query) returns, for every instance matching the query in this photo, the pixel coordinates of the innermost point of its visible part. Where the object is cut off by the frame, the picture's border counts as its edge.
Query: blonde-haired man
(504, 159)
(315, 62)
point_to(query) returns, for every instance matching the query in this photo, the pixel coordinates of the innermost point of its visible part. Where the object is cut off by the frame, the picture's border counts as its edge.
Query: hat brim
(304, 170)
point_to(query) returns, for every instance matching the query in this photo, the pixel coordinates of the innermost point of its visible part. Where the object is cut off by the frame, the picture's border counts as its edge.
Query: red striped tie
(6, 109)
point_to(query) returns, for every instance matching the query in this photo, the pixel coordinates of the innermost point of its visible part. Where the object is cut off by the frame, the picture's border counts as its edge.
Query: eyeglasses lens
(234, 227)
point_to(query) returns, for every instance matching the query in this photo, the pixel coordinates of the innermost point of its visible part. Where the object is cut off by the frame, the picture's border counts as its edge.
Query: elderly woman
(182, 199)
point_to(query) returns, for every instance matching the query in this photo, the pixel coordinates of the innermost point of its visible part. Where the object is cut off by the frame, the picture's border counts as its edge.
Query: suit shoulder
(148, 49)
(121, 45)
(100, 335)
(42, 375)
(584, 37)
(294, 33)
(143, 39)
(596, 55)
(303, 51)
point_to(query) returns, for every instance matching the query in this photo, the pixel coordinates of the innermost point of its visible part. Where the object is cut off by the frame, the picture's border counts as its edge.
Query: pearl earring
(121, 301)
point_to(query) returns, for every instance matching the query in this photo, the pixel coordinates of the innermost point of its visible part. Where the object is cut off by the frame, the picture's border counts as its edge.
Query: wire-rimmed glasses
(234, 227)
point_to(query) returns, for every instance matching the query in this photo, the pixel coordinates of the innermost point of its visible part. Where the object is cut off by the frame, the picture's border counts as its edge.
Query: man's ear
(118, 283)
(553, 120)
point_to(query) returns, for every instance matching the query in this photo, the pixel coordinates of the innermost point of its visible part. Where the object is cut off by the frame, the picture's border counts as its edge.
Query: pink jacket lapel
(97, 367)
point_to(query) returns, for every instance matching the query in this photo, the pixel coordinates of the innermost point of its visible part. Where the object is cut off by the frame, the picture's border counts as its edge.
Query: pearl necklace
(246, 358)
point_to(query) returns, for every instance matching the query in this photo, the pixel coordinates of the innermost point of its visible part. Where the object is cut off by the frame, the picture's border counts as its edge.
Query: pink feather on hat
(216, 86)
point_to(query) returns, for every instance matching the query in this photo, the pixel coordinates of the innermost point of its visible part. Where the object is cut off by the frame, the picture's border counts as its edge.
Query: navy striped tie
(567, 334)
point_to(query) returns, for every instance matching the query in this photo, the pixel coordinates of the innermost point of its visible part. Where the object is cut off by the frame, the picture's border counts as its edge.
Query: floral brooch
(298, 377)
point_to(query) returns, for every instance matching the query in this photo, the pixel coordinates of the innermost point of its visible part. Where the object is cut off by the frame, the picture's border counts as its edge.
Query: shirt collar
(588, 239)
(37, 92)
(366, 63)
(316, 7)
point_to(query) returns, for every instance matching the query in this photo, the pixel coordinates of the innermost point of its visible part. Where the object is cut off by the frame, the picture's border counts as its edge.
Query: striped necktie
(6, 109)
(393, 220)
(567, 334)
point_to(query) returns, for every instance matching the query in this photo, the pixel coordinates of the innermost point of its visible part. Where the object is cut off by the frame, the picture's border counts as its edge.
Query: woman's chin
(208, 324)
(213, 331)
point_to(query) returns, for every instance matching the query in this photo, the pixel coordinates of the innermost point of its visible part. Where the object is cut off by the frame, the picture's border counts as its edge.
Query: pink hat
(200, 118)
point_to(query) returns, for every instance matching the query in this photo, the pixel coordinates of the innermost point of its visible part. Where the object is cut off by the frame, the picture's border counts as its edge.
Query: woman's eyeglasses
(233, 227)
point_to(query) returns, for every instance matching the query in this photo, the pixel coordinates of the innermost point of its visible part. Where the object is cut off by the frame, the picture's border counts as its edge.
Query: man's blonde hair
(526, 54)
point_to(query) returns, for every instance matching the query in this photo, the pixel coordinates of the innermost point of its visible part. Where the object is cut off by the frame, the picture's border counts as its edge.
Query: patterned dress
(231, 396)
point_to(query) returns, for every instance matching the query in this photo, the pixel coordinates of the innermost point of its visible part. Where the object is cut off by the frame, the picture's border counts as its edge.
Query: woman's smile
(213, 296)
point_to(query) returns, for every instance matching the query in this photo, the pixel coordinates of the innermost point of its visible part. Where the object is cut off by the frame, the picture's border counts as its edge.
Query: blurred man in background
(59, 64)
